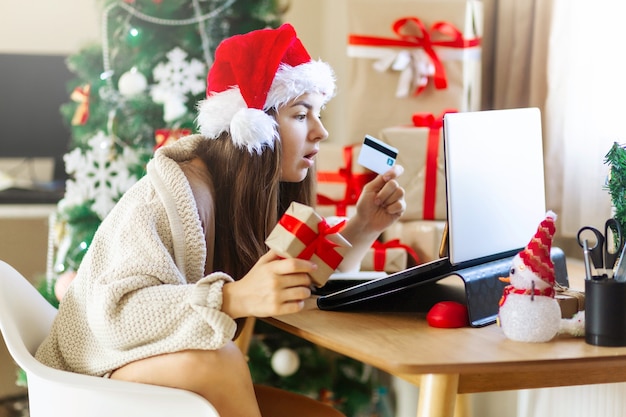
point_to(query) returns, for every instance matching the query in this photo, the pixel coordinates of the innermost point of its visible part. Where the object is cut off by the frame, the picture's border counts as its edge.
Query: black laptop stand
(481, 290)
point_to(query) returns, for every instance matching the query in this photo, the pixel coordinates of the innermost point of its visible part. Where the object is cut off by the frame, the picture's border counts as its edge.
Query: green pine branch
(616, 184)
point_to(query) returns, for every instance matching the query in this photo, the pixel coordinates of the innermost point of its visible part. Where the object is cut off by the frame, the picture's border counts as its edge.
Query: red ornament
(164, 137)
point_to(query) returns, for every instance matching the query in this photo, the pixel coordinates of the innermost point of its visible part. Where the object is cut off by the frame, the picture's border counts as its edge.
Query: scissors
(603, 253)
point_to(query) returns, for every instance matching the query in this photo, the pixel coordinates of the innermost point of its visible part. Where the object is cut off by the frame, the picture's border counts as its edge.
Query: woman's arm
(380, 205)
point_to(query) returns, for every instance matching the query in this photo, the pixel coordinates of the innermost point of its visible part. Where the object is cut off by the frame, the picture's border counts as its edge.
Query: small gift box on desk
(423, 236)
(570, 301)
(302, 233)
(408, 56)
(340, 179)
(391, 256)
(421, 154)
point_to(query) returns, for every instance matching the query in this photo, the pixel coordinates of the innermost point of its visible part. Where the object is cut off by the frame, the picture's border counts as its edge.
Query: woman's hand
(381, 203)
(273, 286)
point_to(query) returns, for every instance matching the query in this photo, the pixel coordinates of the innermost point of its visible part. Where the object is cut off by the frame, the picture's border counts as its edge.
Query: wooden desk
(447, 362)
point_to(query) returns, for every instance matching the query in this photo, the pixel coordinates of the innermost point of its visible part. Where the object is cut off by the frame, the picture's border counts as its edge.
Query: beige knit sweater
(140, 290)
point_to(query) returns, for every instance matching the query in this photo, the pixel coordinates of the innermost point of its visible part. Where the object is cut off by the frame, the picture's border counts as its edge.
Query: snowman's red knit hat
(536, 255)
(253, 73)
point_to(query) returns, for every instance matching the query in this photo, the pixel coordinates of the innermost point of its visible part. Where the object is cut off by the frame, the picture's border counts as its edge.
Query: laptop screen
(495, 181)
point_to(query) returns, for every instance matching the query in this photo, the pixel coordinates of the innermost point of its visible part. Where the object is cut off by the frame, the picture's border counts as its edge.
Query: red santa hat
(253, 73)
(536, 255)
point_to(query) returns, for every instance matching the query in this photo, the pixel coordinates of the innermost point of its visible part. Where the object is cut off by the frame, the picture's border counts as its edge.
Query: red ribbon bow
(354, 184)
(315, 242)
(81, 96)
(432, 154)
(412, 33)
(380, 252)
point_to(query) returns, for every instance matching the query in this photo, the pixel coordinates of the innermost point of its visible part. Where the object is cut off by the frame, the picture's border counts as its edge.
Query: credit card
(376, 155)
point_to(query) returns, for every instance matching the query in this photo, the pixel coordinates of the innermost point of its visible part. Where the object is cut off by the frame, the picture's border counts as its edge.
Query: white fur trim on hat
(291, 82)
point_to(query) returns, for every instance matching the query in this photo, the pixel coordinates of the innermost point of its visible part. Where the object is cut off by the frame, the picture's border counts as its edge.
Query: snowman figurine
(528, 309)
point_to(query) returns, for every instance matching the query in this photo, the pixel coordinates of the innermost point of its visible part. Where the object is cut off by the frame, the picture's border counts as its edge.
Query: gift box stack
(409, 63)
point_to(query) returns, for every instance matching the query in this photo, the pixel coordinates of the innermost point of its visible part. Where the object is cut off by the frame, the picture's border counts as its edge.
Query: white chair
(25, 319)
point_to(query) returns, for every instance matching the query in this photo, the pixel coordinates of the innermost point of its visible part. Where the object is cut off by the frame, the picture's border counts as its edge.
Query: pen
(620, 273)
(586, 259)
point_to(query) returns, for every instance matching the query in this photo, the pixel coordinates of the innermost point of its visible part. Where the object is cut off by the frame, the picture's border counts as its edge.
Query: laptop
(495, 201)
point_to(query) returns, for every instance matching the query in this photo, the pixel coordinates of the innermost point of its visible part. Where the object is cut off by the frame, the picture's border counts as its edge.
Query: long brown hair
(249, 198)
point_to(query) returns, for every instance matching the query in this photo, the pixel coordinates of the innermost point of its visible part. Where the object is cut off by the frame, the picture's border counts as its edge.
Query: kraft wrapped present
(570, 301)
(420, 152)
(423, 236)
(391, 256)
(407, 56)
(340, 179)
(302, 233)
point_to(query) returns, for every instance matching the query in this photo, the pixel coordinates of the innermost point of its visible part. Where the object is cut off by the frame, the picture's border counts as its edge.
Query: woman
(181, 260)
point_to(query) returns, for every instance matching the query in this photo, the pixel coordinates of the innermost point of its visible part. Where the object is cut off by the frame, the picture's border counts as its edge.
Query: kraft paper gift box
(395, 46)
(302, 233)
(423, 236)
(340, 179)
(420, 152)
(570, 301)
(392, 256)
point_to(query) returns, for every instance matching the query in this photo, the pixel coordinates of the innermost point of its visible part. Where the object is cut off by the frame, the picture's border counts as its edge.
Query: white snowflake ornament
(174, 80)
(100, 175)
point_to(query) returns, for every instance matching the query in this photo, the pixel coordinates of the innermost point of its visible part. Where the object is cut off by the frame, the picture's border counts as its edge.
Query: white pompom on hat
(253, 73)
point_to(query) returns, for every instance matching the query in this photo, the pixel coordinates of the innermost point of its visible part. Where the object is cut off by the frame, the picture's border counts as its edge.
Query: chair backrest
(25, 320)
(25, 315)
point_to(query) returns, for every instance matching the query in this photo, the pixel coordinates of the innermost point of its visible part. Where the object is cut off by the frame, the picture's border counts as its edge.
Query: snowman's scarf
(509, 289)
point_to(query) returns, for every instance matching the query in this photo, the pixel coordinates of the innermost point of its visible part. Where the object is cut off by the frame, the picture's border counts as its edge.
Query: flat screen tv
(32, 89)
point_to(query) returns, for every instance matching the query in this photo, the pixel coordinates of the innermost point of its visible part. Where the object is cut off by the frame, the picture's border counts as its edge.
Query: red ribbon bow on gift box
(434, 123)
(315, 242)
(380, 252)
(354, 183)
(412, 33)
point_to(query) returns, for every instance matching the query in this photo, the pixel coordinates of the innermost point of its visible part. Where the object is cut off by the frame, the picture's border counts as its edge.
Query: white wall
(47, 27)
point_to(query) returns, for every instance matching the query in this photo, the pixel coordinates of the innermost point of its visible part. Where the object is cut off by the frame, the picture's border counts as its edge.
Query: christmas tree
(135, 91)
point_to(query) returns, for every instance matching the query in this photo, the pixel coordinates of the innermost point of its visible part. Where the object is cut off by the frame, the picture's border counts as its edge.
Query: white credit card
(376, 155)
